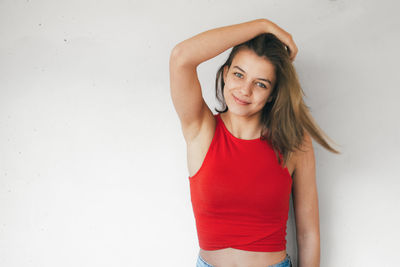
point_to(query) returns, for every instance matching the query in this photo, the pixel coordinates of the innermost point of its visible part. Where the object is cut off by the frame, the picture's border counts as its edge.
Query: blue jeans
(286, 262)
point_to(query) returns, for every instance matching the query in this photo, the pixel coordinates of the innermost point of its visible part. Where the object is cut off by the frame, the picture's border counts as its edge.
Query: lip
(240, 102)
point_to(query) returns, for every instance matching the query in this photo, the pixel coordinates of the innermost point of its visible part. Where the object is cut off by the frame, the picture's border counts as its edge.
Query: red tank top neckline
(218, 116)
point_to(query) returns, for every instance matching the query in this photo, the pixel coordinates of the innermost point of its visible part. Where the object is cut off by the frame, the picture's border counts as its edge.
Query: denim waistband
(286, 262)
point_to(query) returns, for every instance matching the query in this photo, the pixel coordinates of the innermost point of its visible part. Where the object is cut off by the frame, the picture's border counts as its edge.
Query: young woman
(246, 160)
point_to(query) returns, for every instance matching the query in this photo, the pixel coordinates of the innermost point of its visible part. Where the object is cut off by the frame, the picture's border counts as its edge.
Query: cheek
(228, 87)
(232, 83)
(262, 98)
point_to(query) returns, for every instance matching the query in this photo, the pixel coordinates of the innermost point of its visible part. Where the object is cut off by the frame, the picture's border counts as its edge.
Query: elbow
(179, 58)
(176, 55)
(175, 52)
(311, 235)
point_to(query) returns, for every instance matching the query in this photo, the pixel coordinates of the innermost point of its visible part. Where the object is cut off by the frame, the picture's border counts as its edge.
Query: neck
(243, 127)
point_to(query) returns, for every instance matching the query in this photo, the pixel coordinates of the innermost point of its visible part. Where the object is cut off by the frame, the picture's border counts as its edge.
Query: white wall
(92, 159)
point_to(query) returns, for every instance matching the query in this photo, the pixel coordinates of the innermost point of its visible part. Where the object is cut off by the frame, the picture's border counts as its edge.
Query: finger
(295, 50)
(292, 55)
(287, 39)
(292, 50)
(292, 47)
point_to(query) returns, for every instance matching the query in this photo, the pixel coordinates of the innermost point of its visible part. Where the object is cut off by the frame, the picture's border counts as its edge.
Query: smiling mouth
(240, 101)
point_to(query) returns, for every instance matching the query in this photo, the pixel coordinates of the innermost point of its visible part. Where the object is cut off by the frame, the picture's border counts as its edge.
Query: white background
(92, 159)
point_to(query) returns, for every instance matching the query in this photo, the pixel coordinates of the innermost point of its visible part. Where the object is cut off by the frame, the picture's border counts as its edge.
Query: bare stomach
(231, 257)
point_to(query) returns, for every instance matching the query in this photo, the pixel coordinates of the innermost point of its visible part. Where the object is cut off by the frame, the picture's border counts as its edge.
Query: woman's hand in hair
(284, 36)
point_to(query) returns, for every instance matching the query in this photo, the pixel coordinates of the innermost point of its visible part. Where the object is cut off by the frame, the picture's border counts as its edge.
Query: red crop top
(240, 195)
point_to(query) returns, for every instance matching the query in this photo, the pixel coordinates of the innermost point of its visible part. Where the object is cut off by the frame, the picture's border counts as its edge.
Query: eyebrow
(266, 80)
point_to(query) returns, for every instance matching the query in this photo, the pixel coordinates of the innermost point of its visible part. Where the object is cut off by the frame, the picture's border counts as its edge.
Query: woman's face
(250, 78)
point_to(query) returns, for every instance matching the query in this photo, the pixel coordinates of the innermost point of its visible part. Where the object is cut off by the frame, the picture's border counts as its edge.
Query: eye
(262, 85)
(237, 73)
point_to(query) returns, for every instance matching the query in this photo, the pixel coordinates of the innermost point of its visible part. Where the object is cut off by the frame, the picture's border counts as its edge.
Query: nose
(247, 88)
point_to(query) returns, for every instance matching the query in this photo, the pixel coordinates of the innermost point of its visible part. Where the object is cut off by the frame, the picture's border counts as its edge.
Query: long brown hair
(285, 118)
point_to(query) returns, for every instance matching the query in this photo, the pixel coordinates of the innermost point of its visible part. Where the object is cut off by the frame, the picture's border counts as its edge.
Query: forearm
(211, 43)
(308, 251)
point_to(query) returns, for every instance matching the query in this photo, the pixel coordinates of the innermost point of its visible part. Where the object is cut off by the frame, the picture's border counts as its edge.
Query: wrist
(264, 25)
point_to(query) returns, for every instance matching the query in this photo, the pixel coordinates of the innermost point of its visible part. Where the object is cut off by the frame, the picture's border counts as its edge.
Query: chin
(238, 111)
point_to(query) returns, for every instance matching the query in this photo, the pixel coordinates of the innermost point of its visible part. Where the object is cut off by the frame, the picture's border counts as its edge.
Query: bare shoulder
(304, 157)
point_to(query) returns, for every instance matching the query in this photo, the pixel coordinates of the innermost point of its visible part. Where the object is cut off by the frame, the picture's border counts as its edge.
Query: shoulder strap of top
(219, 122)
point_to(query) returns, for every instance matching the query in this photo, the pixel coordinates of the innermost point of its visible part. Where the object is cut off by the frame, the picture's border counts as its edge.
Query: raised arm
(211, 43)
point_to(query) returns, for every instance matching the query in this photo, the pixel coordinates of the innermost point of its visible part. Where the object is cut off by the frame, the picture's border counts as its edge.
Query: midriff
(231, 257)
